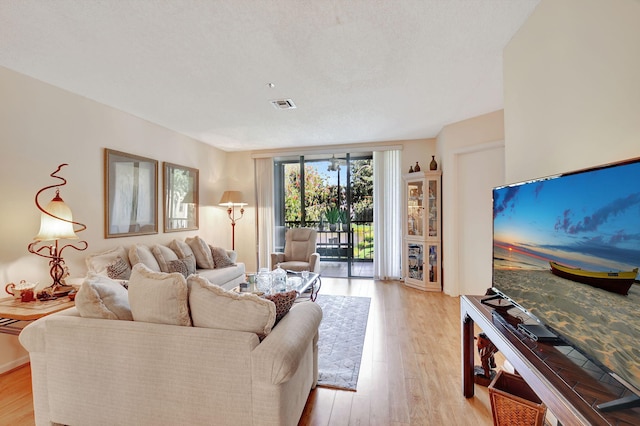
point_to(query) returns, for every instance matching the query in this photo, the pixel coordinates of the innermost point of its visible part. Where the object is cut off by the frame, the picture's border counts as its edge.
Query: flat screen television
(566, 249)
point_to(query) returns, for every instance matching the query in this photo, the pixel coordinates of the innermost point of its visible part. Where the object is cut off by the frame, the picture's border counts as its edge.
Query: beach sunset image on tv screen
(567, 249)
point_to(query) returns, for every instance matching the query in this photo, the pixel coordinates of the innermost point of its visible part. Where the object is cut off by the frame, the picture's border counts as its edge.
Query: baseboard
(14, 364)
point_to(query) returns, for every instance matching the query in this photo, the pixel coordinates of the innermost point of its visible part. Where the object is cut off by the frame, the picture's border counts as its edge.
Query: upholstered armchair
(299, 251)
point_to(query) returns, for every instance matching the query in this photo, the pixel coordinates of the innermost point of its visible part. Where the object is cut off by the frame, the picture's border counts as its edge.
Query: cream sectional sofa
(117, 262)
(178, 351)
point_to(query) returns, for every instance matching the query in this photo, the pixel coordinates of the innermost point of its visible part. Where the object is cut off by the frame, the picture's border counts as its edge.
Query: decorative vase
(263, 281)
(278, 280)
(434, 164)
(410, 169)
(417, 167)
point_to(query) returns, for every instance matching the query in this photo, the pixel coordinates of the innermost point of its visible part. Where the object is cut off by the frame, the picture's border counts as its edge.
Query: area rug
(342, 331)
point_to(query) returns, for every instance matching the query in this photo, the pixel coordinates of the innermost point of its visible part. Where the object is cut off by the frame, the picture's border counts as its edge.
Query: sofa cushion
(102, 297)
(158, 297)
(163, 255)
(139, 253)
(226, 278)
(283, 302)
(214, 307)
(220, 257)
(100, 263)
(202, 252)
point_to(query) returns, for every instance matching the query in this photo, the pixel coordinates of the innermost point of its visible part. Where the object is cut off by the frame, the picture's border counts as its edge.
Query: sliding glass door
(335, 196)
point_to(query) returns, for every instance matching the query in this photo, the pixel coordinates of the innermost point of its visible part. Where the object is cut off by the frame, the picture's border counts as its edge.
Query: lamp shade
(232, 198)
(52, 228)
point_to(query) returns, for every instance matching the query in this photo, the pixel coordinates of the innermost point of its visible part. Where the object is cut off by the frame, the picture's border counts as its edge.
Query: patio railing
(351, 242)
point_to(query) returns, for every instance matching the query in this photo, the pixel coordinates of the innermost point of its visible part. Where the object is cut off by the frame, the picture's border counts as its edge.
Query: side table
(14, 311)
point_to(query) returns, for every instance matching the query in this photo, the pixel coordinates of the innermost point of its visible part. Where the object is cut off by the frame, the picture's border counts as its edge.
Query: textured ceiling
(358, 71)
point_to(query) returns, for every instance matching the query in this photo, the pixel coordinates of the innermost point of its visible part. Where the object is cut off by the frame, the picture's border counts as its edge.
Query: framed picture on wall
(180, 198)
(131, 188)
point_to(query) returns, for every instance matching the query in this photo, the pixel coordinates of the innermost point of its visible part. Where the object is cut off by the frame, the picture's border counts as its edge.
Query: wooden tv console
(569, 385)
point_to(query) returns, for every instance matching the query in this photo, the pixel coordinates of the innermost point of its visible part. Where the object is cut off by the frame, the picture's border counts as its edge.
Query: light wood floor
(410, 372)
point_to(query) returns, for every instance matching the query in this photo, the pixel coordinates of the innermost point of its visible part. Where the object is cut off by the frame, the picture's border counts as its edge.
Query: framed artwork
(180, 198)
(131, 191)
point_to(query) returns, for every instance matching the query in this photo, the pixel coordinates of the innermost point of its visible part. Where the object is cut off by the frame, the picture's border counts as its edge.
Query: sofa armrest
(276, 359)
(276, 258)
(32, 337)
(314, 263)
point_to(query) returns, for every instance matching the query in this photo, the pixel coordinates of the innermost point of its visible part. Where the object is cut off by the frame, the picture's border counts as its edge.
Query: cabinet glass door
(433, 207)
(433, 264)
(415, 208)
(415, 266)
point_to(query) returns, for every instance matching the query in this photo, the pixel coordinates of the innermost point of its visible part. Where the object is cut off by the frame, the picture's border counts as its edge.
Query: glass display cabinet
(422, 230)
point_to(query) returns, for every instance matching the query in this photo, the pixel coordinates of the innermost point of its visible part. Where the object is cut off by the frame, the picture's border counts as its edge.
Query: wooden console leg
(467, 357)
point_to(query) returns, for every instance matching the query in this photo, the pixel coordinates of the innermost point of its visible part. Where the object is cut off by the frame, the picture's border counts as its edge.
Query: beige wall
(420, 151)
(470, 149)
(41, 127)
(572, 92)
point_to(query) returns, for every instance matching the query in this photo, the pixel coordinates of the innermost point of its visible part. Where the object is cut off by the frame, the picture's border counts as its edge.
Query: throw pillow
(220, 257)
(185, 266)
(163, 255)
(99, 262)
(190, 262)
(139, 253)
(181, 248)
(283, 302)
(214, 307)
(102, 297)
(158, 297)
(201, 251)
(178, 265)
(119, 269)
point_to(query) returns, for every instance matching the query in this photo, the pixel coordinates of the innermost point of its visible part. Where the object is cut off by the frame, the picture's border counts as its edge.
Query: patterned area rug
(342, 331)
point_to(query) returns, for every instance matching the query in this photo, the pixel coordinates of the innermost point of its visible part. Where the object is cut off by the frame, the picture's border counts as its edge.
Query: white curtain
(265, 207)
(387, 215)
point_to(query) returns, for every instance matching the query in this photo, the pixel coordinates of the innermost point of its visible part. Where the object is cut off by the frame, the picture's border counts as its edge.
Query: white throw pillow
(164, 255)
(100, 263)
(139, 253)
(102, 297)
(201, 250)
(158, 297)
(213, 307)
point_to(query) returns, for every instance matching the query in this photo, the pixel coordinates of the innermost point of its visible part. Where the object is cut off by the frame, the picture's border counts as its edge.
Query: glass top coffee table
(310, 284)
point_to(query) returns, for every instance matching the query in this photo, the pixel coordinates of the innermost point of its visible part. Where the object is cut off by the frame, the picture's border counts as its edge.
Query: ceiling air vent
(283, 104)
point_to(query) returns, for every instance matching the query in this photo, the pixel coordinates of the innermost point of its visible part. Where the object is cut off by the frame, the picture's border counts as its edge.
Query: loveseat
(177, 351)
(193, 255)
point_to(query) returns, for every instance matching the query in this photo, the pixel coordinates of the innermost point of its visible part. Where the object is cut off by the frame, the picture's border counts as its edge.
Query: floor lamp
(231, 200)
